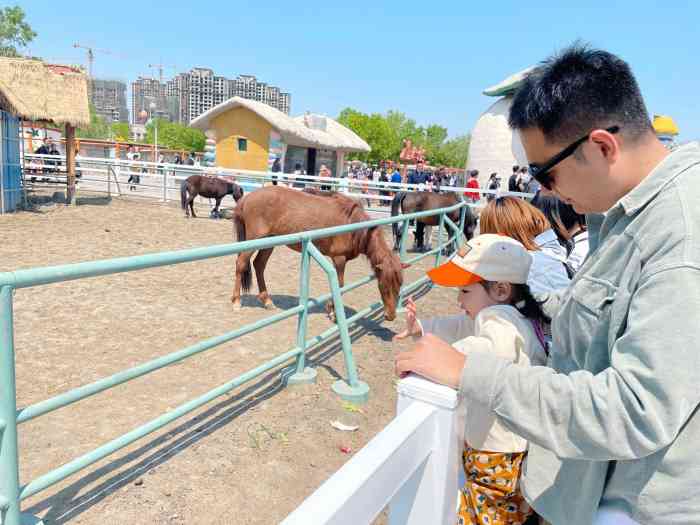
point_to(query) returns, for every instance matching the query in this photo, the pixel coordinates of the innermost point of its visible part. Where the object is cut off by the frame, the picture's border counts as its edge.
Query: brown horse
(410, 202)
(209, 187)
(276, 210)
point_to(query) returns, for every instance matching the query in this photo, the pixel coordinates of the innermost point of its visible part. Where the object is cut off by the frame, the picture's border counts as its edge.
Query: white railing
(106, 175)
(413, 466)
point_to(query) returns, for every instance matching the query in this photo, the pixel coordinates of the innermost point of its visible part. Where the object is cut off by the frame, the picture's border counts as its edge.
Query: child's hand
(412, 326)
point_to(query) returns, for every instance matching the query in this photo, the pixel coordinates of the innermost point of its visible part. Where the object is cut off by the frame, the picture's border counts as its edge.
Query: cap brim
(449, 274)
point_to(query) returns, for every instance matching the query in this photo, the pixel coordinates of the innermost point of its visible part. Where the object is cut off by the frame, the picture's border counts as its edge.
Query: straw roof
(31, 90)
(309, 131)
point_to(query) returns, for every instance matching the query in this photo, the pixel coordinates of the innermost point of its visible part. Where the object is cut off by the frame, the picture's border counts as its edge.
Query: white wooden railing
(413, 466)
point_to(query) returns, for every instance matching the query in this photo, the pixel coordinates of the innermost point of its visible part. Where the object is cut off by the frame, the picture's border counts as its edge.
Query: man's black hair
(578, 90)
(516, 168)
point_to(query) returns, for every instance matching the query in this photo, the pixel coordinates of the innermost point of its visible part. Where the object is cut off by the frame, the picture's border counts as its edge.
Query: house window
(242, 144)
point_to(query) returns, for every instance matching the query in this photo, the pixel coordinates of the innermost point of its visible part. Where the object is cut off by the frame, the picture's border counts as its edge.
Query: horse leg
(260, 263)
(242, 278)
(216, 209)
(339, 263)
(190, 202)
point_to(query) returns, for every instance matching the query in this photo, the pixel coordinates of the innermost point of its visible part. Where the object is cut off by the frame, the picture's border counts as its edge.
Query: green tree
(120, 131)
(454, 152)
(97, 129)
(175, 136)
(14, 31)
(385, 135)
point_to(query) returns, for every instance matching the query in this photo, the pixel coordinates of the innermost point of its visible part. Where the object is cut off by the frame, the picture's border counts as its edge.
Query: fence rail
(412, 466)
(106, 175)
(352, 388)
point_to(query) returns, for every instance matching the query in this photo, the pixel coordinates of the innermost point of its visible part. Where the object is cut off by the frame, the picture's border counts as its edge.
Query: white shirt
(580, 251)
(503, 330)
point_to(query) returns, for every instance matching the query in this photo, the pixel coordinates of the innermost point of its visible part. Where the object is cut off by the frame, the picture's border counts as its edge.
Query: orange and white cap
(487, 257)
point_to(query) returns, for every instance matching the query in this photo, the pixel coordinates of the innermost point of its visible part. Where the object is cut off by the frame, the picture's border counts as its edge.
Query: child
(491, 274)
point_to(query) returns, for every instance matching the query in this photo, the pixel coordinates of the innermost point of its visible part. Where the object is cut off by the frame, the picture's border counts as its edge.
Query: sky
(430, 60)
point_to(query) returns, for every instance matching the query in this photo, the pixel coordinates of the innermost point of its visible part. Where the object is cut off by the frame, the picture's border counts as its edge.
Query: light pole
(153, 106)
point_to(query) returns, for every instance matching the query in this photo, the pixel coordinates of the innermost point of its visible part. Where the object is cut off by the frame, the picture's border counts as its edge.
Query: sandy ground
(249, 457)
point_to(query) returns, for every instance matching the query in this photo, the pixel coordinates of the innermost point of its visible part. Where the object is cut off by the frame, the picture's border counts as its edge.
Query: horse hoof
(236, 305)
(269, 305)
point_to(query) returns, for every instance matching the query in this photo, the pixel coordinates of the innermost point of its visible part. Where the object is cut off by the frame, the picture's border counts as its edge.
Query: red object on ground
(345, 450)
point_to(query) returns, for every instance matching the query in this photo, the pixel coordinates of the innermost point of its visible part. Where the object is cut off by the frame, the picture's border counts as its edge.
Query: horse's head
(388, 269)
(235, 190)
(470, 220)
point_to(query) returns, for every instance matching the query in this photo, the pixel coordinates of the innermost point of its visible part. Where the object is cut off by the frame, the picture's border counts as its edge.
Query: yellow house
(251, 135)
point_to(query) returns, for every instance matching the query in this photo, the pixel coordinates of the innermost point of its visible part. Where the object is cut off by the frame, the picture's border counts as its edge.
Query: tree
(97, 129)
(385, 135)
(120, 131)
(14, 31)
(175, 136)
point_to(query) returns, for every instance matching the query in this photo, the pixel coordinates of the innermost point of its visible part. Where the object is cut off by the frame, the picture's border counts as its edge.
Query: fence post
(431, 496)
(165, 183)
(303, 374)
(353, 390)
(441, 229)
(402, 256)
(9, 467)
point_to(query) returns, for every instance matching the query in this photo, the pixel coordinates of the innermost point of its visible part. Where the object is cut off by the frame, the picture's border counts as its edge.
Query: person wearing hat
(490, 273)
(613, 421)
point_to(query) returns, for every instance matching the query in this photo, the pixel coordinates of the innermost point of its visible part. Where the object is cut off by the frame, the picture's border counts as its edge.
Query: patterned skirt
(491, 495)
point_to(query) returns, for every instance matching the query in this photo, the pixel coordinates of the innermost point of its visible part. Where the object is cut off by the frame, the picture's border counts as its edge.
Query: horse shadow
(74, 499)
(280, 301)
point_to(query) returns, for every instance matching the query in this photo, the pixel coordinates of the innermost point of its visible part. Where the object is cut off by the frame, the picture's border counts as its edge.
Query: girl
(528, 225)
(491, 273)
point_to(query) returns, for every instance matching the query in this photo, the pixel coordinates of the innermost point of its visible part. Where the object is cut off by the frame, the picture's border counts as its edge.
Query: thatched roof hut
(310, 130)
(36, 91)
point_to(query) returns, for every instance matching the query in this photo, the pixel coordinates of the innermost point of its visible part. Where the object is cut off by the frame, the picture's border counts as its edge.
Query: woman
(324, 172)
(569, 226)
(525, 223)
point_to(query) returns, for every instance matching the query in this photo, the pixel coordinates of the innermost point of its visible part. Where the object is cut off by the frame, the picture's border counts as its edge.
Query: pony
(277, 210)
(410, 202)
(210, 187)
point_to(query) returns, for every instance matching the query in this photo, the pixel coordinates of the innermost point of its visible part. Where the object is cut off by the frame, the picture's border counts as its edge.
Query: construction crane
(91, 55)
(160, 68)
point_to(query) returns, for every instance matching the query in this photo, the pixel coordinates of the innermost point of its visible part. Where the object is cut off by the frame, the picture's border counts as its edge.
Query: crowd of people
(578, 374)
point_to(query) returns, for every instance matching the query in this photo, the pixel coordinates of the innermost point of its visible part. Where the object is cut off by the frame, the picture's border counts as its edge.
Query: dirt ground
(250, 457)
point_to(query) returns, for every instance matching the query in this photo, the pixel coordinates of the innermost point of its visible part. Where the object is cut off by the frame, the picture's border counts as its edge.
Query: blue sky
(430, 60)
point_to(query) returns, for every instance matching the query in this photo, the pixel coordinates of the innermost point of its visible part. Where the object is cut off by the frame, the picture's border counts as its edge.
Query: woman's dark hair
(549, 205)
(524, 302)
(576, 91)
(561, 216)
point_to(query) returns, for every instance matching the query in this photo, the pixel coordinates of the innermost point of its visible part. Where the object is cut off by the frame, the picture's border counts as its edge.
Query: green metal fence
(12, 493)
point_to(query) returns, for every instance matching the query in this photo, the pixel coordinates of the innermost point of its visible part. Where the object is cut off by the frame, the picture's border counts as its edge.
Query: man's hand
(432, 358)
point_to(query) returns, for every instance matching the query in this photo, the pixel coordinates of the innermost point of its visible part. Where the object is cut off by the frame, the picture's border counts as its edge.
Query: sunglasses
(541, 172)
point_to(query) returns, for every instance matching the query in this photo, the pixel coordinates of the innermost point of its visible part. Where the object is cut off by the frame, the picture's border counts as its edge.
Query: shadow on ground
(67, 504)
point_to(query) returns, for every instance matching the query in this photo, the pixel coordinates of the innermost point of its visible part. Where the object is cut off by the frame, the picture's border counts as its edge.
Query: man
(613, 425)
(494, 184)
(513, 179)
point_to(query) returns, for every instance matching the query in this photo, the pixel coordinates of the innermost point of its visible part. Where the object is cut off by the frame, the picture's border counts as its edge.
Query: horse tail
(183, 194)
(239, 224)
(396, 203)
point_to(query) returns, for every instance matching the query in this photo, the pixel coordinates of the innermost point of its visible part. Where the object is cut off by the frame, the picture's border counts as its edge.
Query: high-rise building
(144, 92)
(109, 99)
(190, 94)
